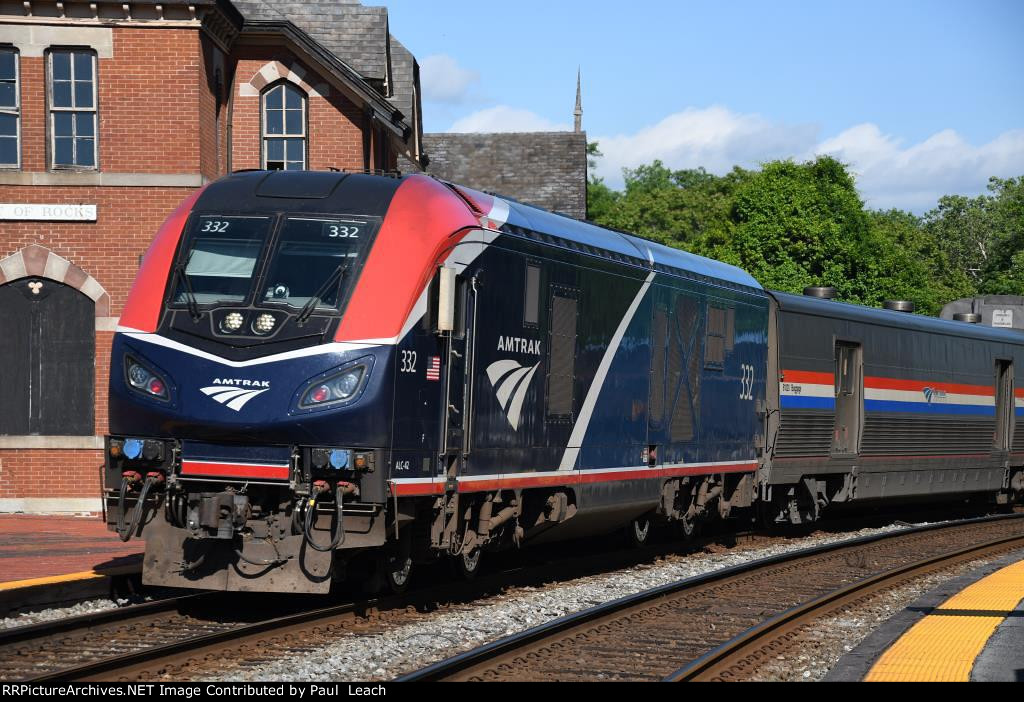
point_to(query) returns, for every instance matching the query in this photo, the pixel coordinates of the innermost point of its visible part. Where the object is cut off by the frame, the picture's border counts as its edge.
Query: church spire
(578, 112)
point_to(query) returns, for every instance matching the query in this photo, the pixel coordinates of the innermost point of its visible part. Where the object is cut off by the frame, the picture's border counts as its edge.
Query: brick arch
(273, 71)
(39, 262)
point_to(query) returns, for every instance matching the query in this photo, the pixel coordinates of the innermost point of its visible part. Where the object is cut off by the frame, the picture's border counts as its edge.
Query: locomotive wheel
(467, 565)
(639, 531)
(397, 571)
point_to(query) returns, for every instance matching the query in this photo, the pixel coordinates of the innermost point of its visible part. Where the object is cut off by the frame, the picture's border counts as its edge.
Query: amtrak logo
(934, 393)
(511, 381)
(234, 393)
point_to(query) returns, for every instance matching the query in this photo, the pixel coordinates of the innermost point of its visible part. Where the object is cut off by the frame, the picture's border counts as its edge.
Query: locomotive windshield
(312, 260)
(222, 255)
(310, 264)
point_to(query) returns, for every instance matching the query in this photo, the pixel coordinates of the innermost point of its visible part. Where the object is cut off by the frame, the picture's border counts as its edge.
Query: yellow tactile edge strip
(943, 645)
(70, 577)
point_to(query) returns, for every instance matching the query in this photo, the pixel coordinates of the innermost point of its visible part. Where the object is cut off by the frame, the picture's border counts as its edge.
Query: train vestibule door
(457, 429)
(849, 394)
(1003, 435)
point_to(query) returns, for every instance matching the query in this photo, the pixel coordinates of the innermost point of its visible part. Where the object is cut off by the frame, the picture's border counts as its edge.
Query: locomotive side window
(221, 255)
(531, 303)
(562, 354)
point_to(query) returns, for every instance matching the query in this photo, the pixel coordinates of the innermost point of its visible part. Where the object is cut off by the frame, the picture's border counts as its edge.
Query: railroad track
(720, 625)
(196, 633)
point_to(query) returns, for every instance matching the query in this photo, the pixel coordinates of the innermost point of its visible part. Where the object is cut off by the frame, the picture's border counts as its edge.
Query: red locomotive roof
(424, 221)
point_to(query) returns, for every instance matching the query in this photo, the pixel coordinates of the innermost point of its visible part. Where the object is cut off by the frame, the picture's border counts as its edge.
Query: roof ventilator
(900, 305)
(825, 292)
(969, 317)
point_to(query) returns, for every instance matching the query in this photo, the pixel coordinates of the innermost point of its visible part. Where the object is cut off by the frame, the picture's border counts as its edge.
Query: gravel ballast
(407, 647)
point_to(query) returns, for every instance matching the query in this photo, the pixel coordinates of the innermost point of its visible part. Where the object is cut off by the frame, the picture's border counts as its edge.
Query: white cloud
(444, 80)
(889, 173)
(715, 138)
(506, 119)
(913, 177)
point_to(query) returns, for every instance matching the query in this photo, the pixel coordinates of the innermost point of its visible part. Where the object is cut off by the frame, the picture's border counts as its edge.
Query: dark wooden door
(47, 347)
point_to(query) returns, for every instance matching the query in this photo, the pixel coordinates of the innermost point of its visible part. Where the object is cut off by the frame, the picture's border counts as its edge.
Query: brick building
(110, 114)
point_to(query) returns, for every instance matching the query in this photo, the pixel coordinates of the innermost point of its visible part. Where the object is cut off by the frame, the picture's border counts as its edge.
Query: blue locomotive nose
(276, 401)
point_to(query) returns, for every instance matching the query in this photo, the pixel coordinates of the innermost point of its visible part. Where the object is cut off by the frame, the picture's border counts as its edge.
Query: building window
(73, 108)
(10, 114)
(284, 128)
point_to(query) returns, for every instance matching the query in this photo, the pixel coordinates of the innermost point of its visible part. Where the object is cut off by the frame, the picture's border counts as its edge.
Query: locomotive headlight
(144, 381)
(137, 375)
(232, 322)
(336, 388)
(264, 324)
(344, 386)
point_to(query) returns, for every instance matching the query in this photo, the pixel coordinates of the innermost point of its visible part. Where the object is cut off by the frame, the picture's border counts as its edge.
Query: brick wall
(335, 123)
(49, 473)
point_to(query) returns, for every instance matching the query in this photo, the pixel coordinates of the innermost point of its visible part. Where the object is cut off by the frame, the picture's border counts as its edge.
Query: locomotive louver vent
(562, 359)
(658, 350)
(688, 397)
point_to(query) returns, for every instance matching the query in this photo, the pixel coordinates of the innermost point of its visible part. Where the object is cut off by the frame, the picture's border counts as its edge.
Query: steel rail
(86, 621)
(508, 645)
(144, 660)
(717, 664)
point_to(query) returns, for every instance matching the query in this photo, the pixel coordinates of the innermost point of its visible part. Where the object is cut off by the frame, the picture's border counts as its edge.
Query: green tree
(1003, 271)
(791, 225)
(803, 224)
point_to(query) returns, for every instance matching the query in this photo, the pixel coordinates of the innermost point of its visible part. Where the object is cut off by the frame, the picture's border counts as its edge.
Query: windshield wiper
(339, 273)
(190, 295)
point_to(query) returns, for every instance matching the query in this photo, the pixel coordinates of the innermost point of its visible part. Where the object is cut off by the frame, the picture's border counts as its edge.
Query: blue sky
(921, 98)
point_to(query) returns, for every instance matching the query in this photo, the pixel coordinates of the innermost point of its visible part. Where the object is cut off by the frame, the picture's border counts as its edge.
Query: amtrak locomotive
(318, 370)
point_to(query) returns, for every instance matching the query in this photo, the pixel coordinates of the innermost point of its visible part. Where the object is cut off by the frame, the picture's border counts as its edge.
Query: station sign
(45, 212)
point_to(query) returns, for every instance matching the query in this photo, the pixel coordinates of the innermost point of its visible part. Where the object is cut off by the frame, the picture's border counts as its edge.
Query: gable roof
(351, 40)
(546, 169)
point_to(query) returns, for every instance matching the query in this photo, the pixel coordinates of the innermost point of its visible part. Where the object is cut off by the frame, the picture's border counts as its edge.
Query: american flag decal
(434, 368)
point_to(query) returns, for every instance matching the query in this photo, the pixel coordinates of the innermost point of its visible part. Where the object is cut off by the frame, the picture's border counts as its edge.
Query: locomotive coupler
(217, 515)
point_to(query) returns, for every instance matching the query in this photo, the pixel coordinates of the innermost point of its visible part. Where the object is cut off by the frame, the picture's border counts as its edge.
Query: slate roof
(546, 169)
(356, 34)
(402, 79)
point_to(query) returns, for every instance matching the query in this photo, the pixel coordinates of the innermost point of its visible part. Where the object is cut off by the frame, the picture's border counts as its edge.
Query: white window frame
(16, 110)
(53, 110)
(265, 136)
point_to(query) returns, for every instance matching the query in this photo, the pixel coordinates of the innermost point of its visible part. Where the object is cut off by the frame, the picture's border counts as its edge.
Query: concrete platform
(969, 629)
(46, 559)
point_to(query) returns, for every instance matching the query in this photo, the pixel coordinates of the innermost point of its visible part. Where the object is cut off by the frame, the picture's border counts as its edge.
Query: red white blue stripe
(814, 390)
